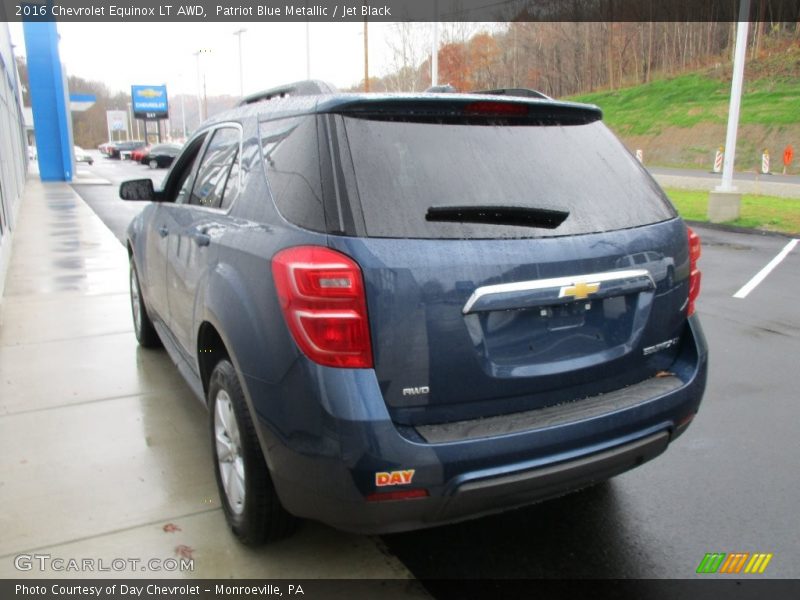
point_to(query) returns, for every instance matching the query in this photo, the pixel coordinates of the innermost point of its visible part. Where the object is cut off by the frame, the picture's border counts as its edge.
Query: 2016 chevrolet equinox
(407, 310)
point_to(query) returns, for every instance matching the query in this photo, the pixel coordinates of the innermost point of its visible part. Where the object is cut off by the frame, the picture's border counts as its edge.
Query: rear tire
(142, 325)
(251, 505)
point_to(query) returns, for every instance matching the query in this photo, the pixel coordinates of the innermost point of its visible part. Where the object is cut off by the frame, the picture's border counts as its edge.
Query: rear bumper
(326, 434)
(476, 497)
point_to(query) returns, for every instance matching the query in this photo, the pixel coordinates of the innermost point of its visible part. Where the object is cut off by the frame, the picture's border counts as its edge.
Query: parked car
(82, 156)
(407, 310)
(104, 147)
(161, 156)
(118, 149)
(140, 153)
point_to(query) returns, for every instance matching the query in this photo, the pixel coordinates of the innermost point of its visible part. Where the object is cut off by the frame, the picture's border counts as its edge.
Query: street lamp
(238, 33)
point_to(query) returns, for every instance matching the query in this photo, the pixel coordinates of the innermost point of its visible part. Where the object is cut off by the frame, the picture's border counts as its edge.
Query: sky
(124, 54)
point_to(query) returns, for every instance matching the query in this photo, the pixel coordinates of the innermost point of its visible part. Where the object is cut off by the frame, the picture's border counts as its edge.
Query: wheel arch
(211, 348)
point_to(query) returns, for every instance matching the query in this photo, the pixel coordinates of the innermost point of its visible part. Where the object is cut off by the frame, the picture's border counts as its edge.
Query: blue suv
(407, 310)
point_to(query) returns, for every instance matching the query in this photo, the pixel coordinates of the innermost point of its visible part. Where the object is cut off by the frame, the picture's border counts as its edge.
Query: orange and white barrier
(718, 160)
(765, 162)
(640, 155)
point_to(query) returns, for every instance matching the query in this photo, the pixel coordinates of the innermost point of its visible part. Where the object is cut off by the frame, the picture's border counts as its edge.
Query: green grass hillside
(681, 121)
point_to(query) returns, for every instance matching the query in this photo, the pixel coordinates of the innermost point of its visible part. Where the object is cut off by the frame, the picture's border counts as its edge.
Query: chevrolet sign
(150, 101)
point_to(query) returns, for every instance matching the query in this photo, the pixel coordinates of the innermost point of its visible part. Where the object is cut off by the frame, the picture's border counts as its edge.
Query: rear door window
(403, 168)
(290, 148)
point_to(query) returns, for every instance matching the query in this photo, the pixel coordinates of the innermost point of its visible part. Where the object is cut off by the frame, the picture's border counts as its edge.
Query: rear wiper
(498, 215)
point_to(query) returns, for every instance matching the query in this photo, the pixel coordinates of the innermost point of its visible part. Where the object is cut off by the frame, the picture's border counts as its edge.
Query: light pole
(238, 33)
(736, 98)
(183, 114)
(202, 106)
(130, 122)
(308, 51)
(724, 202)
(199, 101)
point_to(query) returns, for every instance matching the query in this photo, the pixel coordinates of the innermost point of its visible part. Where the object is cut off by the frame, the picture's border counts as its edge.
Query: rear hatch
(515, 254)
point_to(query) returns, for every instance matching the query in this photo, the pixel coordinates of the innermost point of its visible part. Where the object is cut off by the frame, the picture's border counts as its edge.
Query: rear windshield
(402, 169)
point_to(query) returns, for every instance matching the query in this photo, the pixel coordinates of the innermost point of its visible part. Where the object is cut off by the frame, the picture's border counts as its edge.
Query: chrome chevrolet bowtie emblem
(579, 291)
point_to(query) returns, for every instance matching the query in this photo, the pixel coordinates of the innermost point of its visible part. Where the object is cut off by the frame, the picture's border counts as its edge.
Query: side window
(215, 169)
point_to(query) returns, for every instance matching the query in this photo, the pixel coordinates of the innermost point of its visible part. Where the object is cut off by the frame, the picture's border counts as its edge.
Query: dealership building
(13, 155)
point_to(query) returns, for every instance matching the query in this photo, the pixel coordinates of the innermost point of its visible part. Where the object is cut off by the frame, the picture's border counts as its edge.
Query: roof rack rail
(521, 92)
(311, 87)
(441, 89)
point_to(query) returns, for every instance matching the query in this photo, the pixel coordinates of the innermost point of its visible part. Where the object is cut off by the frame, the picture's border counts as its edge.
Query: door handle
(201, 237)
(163, 231)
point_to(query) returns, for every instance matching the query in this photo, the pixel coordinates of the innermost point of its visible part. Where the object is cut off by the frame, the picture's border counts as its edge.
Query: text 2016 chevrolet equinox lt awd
(407, 310)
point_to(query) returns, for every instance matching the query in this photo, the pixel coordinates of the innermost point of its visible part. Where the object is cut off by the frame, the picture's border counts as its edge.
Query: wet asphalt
(729, 484)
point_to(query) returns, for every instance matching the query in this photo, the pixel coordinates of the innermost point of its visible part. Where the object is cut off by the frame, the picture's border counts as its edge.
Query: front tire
(251, 505)
(142, 325)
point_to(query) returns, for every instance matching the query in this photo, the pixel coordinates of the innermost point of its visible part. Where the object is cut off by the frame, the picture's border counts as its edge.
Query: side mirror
(138, 189)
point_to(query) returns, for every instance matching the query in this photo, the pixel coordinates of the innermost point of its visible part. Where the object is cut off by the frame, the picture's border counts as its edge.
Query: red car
(140, 154)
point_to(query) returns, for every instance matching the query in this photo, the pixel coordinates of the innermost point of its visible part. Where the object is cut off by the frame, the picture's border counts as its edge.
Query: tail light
(321, 292)
(694, 272)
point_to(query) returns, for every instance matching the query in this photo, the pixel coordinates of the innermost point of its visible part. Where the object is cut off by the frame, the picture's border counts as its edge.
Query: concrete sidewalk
(105, 452)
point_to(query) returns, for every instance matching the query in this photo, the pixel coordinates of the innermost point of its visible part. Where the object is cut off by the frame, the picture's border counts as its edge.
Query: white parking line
(759, 277)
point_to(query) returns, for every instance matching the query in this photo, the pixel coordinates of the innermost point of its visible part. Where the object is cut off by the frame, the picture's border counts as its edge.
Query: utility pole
(238, 33)
(366, 57)
(435, 53)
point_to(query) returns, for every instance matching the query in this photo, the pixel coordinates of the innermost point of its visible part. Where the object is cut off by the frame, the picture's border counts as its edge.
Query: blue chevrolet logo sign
(150, 101)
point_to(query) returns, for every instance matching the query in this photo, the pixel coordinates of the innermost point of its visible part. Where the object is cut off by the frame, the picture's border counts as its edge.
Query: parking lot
(106, 447)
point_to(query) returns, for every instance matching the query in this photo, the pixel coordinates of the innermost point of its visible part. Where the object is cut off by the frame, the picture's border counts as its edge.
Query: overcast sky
(123, 54)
